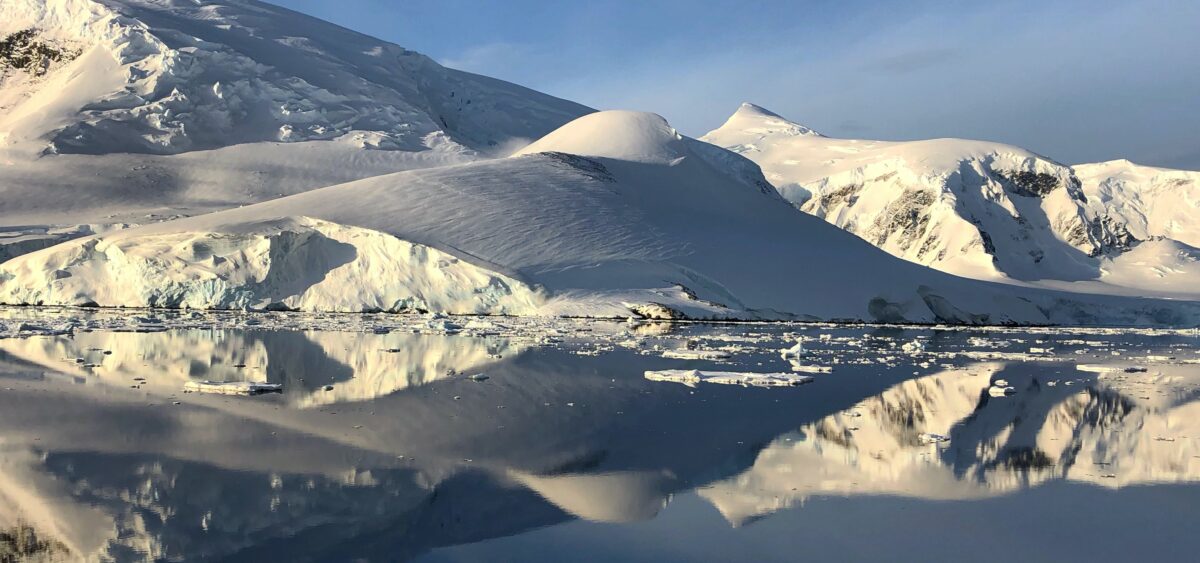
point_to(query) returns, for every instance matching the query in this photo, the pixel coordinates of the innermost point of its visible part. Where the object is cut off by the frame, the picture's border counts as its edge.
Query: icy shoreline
(27, 320)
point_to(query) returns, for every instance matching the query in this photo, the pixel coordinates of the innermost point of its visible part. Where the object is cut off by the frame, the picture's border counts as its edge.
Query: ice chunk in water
(691, 377)
(795, 351)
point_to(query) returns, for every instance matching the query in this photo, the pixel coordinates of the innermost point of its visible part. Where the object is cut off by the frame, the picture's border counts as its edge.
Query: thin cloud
(488, 57)
(912, 61)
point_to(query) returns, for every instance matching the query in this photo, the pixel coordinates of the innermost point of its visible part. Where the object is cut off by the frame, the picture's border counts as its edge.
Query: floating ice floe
(691, 377)
(914, 347)
(695, 355)
(231, 387)
(442, 325)
(803, 368)
(1096, 368)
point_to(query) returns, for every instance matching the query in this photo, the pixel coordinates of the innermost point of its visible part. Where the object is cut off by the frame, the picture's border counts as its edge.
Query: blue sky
(1077, 81)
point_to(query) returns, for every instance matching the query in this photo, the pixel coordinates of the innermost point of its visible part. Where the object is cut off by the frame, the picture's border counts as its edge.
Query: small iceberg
(692, 377)
(807, 368)
(1095, 368)
(695, 355)
(795, 351)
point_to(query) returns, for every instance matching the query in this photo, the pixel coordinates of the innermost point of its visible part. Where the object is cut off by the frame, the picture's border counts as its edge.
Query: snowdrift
(638, 221)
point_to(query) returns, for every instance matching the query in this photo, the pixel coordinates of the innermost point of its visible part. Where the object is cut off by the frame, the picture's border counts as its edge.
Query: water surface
(486, 440)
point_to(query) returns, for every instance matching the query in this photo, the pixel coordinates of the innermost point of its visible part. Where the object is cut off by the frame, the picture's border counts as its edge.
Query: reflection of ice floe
(232, 387)
(692, 377)
(1108, 368)
(358, 366)
(985, 446)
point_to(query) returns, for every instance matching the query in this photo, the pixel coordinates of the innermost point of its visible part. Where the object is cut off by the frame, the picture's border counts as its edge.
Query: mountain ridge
(973, 208)
(649, 224)
(168, 108)
(201, 76)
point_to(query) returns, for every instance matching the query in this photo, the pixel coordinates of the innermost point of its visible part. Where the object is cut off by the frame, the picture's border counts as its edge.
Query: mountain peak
(748, 109)
(753, 111)
(753, 119)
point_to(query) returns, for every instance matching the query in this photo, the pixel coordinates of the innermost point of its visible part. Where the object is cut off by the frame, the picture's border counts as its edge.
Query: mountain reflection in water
(103, 455)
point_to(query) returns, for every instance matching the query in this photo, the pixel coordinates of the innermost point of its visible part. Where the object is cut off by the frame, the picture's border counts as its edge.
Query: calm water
(382, 448)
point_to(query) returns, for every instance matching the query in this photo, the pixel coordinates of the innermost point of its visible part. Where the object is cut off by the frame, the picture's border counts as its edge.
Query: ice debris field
(790, 354)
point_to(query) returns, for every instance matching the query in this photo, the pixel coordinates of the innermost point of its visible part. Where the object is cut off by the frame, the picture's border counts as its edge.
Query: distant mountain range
(988, 210)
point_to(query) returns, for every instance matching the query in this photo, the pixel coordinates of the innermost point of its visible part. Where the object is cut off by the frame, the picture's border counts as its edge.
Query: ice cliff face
(295, 263)
(166, 77)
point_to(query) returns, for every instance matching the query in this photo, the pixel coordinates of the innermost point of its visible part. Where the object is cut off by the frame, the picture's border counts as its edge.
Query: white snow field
(988, 210)
(146, 110)
(638, 221)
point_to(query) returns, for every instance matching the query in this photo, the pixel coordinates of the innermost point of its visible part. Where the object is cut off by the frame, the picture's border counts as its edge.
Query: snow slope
(172, 76)
(158, 108)
(638, 221)
(973, 208)
(1150, 202)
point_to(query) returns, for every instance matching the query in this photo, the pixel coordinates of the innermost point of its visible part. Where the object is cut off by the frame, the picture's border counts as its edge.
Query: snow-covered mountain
(155, 76)
(116, 112)
(1150, 202)
(985, 210)
(614, 214)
